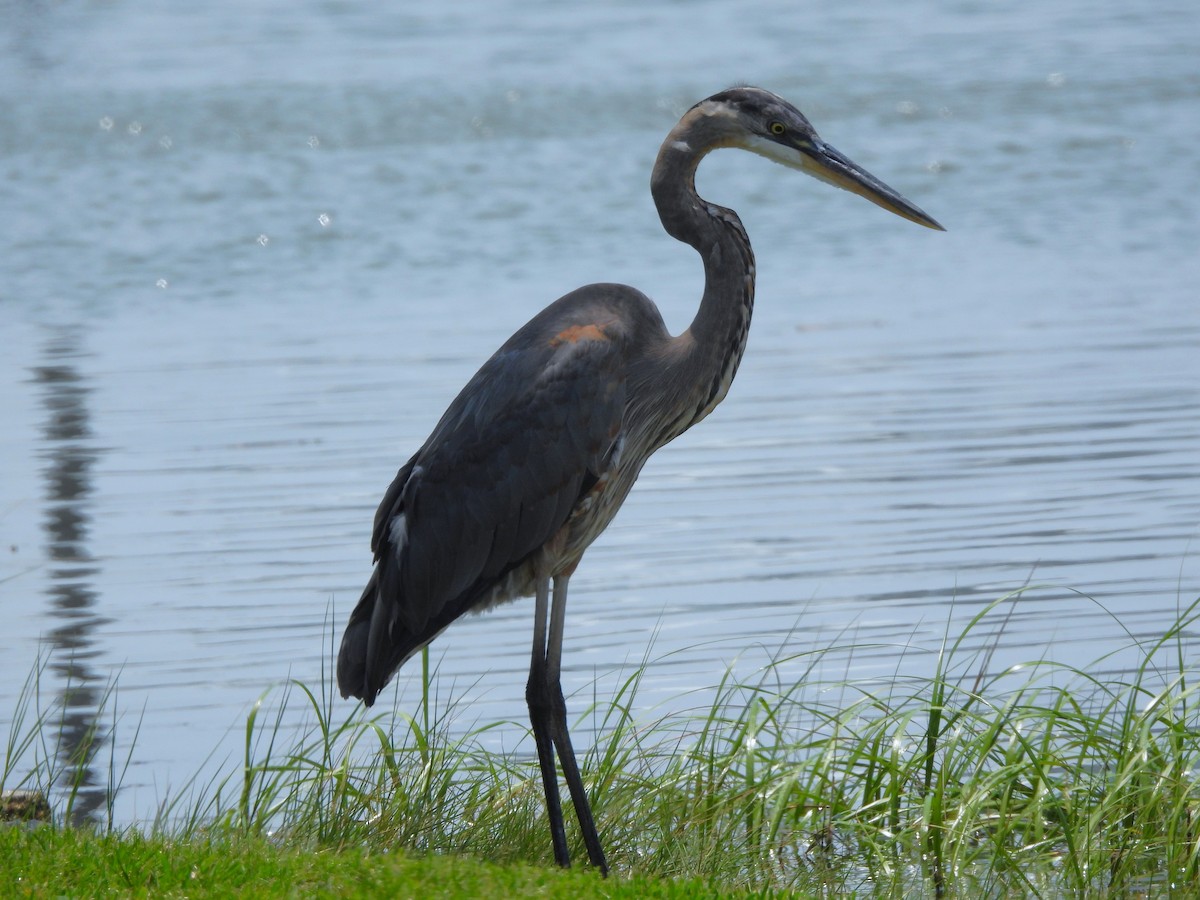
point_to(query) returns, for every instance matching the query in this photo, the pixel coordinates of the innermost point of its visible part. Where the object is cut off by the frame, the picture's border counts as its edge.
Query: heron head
(757, 120)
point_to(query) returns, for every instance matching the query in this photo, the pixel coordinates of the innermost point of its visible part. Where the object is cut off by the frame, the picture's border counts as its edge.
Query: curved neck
(704, 359)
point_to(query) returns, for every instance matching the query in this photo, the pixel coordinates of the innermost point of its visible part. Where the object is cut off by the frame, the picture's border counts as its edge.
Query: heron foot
(548, 716)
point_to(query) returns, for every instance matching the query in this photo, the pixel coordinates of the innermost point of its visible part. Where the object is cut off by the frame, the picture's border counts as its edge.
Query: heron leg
(558, 726)
(548, 716)
(539, 719)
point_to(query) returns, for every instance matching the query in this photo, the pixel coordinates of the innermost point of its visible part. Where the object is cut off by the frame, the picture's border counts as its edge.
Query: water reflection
(70, 454)
(29, 33)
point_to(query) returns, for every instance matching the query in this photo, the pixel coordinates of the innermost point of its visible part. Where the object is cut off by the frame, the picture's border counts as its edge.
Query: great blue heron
(535, 456)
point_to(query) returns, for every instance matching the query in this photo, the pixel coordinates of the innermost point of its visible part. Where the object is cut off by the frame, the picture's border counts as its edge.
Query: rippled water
(250, 255)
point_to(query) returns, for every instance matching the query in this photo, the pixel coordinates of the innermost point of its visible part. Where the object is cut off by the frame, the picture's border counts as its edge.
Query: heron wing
(510, 459)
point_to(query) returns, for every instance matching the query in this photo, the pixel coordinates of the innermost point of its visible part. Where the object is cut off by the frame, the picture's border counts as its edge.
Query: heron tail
(376, 642)
(352, 656)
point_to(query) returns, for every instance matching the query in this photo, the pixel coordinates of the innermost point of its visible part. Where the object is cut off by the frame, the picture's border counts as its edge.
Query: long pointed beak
(829, 165)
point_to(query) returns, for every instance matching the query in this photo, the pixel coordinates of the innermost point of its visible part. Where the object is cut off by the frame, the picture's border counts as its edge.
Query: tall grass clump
(1040, 779)
(49, 751)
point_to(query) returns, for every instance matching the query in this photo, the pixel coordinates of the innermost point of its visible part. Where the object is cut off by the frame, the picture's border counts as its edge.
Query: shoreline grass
(1040, 780)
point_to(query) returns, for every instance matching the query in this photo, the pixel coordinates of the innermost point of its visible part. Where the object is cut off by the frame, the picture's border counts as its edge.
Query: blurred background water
(251, 252)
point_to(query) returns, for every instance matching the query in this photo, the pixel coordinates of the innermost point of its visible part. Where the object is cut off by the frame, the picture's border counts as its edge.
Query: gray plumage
(537, 453)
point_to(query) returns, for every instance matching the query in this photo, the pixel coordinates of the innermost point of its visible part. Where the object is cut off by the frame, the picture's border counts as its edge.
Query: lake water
(251, 252)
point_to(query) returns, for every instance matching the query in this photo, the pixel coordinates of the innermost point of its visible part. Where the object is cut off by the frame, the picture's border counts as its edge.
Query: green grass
(1041, 780)
(57, 862)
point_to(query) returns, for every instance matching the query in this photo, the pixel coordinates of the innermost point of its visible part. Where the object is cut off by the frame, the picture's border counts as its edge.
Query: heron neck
(706, 356)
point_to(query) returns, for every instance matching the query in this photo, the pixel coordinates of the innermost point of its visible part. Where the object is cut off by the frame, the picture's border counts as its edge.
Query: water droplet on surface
(135, 127)
(324, 220)
(314, 142)
(106, 123)
(263, 240)
(165, 142)
(162, 283)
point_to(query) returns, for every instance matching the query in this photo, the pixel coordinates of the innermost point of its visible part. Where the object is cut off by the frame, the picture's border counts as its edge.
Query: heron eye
(777, 128)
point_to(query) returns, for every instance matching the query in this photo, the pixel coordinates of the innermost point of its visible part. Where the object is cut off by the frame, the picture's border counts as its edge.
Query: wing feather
(498, 477)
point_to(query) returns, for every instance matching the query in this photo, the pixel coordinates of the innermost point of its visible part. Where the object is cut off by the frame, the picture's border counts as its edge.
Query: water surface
(250, 255)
